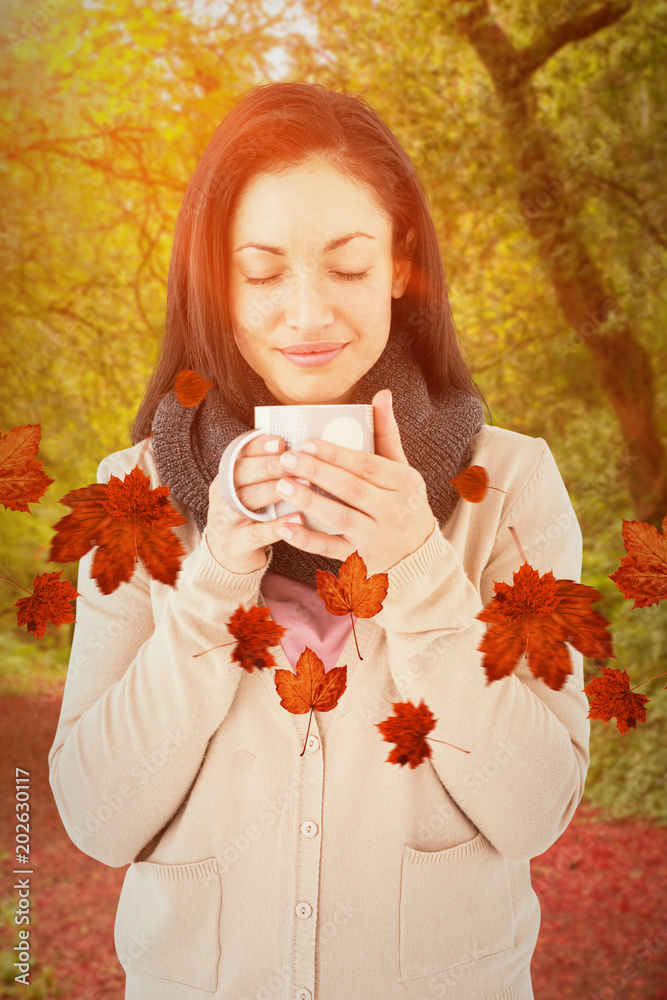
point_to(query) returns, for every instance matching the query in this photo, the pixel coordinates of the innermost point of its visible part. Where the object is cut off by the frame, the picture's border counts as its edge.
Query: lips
(309, 355)
(313, 347)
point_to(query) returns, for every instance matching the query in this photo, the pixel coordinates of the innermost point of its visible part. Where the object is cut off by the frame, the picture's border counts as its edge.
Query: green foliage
(33, 669)
(626, 776)
(107, 110)
(627, 772)
(602, 107)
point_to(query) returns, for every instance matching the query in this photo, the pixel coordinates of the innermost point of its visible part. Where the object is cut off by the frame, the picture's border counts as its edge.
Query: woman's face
(321, 282)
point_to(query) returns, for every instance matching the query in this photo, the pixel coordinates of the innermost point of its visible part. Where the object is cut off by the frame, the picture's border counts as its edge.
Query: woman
(255, 871)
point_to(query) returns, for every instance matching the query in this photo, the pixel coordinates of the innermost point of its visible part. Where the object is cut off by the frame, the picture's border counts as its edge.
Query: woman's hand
(389, 514)
(237, 542)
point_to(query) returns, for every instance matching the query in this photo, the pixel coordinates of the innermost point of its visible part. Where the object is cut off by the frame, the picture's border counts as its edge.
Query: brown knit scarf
(435, 433)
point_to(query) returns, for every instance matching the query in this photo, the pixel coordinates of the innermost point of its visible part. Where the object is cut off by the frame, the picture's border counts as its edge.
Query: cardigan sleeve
(529, 745)
(138, 710)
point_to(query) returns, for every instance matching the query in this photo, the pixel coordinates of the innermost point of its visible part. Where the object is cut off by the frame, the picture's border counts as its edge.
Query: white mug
(347, 424)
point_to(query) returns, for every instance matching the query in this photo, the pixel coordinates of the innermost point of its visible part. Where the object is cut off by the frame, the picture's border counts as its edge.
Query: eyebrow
(331, 245)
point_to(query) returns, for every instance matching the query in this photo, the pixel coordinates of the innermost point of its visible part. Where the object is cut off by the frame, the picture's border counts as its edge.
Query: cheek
(250, 320)
(258, 310)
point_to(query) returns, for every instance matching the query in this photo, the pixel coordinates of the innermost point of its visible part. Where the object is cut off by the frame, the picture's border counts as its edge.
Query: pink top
(298, 607)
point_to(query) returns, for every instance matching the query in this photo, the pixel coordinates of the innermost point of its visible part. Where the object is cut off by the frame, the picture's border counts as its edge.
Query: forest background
(540, 135)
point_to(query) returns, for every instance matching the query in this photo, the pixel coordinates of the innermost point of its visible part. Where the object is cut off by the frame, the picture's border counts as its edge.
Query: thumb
(387, 435)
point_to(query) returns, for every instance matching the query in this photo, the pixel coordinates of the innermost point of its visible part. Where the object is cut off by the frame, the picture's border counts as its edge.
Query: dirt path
(602, 888)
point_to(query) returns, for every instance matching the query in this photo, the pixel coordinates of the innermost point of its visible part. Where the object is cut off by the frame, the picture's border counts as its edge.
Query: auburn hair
(273, 128)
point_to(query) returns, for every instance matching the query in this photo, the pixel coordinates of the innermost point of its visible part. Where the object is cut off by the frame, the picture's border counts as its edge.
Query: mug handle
(226, 468)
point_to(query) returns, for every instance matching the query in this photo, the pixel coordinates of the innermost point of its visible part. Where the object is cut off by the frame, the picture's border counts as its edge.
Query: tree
(413, 47)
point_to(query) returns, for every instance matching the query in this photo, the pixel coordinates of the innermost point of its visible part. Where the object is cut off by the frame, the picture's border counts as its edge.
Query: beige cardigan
(257, 873)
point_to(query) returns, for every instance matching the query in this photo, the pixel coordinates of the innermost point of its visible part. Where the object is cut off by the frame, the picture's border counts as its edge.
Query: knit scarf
(435, 431)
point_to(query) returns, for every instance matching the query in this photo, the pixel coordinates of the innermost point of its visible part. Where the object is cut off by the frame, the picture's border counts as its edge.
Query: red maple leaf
(352, 592)
(311, 687)
(254, 632)
(49, 602)
(612, 696)
(191, 387)
(536, 616)
(408, 729)
(642, 574)
(22, 480)
(125, 519)
(472, 483)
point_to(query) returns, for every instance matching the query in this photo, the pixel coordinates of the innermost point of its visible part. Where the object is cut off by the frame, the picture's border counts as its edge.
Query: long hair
(273, 128)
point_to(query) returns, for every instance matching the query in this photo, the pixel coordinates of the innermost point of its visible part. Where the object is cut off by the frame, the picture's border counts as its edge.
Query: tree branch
(640, 217)
(491, 43)
(574, 29)
(508, 65)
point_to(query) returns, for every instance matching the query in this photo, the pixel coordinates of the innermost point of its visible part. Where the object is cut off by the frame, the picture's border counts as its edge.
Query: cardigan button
(309, 829)
(303, 994)
(303, 910)
(313, 743)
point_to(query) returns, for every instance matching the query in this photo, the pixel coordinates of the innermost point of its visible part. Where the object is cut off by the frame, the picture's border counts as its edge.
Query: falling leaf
(408, 729)
(472, 483)
(21, 478)
(536, 616)
(612, 696)
(352, 592)
(642, 575)
(191, 387)
(49, 602)
(125, 519)
(254, 632)
(311, 687)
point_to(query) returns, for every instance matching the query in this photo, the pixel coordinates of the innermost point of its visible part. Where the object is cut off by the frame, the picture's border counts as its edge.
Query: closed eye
(339, 274)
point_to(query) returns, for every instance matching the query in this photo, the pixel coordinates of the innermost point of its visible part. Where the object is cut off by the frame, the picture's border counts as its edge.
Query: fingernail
(285, 531)
(308, 447)
(288, 459)
(284, 486)
(296, 518)
(272, 445)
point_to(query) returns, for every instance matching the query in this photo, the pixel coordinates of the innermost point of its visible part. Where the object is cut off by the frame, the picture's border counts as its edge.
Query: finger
(360, 489)
(342, 519)
(319, 542)
(264, 444)
(387, 434)
(248, 537)
(258, 533)
(255, 464)
(256, 495)
(375, 469)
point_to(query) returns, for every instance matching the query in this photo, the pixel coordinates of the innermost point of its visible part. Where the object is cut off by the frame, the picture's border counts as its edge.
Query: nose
(308, 305)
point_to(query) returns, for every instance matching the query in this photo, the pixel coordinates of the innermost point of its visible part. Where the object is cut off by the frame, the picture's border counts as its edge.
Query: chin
(315, 395)
(321, 399)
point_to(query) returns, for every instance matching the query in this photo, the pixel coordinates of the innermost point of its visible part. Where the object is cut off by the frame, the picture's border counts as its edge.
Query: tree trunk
(552, 215)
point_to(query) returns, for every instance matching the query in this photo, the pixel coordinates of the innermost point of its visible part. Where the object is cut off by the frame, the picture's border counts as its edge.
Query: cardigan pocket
(455, 907)
(168, 922)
